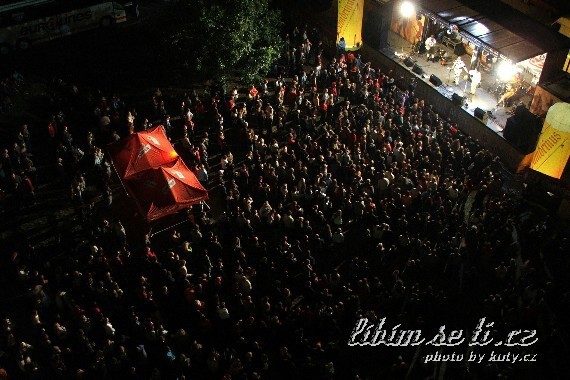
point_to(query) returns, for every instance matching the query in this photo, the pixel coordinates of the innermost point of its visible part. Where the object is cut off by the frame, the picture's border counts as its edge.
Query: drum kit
(442, 57)
(501, 88)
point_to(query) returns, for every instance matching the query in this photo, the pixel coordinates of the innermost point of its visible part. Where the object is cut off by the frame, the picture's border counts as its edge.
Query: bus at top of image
(26, 22)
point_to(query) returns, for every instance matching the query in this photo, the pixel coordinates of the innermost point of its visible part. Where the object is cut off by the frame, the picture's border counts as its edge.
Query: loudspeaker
(408, 62)
(522, 134)
(481, 115)
(384, 25)
(375, 28)
(418, 70)
(458, 100)
(435, 80)
(459, 50)
(531, 122)
(510, 132)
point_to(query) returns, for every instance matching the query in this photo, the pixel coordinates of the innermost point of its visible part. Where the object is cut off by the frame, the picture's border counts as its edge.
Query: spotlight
(506, 71)
(407, 9)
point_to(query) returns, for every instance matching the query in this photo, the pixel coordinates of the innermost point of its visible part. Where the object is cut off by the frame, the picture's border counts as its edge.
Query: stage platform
(484, 98)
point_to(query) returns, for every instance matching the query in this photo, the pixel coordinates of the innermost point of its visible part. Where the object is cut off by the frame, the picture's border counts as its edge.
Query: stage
(484, 97)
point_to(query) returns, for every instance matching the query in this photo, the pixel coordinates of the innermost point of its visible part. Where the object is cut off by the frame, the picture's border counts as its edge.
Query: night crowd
(336, 194)
(9, 88)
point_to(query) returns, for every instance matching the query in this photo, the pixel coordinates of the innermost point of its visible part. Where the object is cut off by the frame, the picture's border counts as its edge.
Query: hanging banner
(349, 24)
(534, 65)
(566, 66)
(553, 148)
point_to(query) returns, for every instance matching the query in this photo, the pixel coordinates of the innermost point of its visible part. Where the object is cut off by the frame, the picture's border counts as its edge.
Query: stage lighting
(506, 71)
(407, 9)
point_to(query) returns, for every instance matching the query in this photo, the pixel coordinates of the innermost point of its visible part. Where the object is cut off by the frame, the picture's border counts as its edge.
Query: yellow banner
(566, 66)
(553, 148)
(349, 24)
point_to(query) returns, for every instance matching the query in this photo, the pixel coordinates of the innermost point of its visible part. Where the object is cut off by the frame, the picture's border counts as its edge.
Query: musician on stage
(430, 47)
(475, 80)
(458, 67)
(511, 91)
(513, 86)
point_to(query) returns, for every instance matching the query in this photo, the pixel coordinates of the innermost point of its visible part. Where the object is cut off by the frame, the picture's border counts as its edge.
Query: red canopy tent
(141, 151)
(164, 190)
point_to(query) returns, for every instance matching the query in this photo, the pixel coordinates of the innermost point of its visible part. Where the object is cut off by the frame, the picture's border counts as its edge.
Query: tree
(231, 38)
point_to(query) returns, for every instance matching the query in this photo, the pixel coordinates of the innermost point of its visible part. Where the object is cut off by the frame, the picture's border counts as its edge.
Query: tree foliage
(225, 39)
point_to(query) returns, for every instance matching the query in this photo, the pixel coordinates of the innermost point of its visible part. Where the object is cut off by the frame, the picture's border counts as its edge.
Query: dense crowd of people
(9, 88)
(341, 196)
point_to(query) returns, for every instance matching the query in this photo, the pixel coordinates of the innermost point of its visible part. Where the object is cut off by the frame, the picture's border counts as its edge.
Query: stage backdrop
(541, 101)
(349, 23)
(553, 148)
(410, 28)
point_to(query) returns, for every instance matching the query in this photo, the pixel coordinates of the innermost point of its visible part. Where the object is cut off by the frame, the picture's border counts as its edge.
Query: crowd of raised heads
(336, 194)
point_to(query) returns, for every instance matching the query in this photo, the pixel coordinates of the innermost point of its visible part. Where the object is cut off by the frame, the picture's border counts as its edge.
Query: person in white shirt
(224, 162)
(202, 174)
(430, 47)
(109, 329)
(223, 312)
(475, 80)
(458, 67)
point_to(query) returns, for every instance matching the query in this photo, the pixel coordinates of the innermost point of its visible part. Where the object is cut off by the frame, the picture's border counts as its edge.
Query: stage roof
(510, 33)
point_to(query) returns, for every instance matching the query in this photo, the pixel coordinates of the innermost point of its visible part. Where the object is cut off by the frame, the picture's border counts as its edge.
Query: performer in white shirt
(475, 80)
(430, 47)
(458, 67)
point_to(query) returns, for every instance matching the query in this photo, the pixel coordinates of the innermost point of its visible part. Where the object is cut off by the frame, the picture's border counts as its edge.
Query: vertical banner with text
(349, 23)
(553, 148)
(566, 66)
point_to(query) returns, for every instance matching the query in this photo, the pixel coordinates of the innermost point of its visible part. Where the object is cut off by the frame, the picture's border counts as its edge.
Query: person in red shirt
(27, 188)
(333, 90)
(151, 255)
(253, 93)
(51, 130)
(323, 106)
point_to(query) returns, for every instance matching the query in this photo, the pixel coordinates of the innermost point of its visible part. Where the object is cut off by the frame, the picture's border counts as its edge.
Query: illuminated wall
(349, 23)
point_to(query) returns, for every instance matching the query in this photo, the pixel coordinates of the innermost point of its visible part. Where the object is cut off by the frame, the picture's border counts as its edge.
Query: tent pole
(120, 179)
(151, 234)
